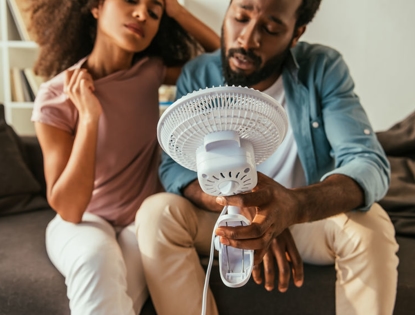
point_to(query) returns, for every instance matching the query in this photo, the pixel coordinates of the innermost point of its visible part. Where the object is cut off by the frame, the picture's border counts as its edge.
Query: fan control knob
(229, 187)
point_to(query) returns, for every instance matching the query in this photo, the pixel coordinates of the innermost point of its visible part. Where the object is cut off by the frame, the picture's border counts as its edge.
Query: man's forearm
(336, 194)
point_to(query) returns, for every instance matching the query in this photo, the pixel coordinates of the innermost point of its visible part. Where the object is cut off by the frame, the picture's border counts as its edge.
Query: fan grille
(256, 116)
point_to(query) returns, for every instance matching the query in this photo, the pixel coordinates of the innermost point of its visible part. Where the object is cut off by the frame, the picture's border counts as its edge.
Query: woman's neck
(106, 60)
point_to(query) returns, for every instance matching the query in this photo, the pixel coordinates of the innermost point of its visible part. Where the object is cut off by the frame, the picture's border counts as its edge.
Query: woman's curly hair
(65, 31)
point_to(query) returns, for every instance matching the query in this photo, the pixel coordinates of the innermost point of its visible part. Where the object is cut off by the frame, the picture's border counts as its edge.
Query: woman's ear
(299, 31)
(94, 12)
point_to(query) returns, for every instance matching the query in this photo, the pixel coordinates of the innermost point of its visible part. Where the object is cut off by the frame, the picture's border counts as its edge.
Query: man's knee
(372, 231)
(159, 205)
(167, 214)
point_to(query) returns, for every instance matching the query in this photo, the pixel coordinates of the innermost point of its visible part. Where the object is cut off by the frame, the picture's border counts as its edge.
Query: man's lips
(135, 28)
(242, 61)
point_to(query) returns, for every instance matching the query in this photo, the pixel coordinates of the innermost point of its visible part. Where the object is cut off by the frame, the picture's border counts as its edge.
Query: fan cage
(256, 117)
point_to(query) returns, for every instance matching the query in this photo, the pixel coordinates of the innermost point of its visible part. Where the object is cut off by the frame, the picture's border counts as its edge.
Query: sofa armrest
(34, 156)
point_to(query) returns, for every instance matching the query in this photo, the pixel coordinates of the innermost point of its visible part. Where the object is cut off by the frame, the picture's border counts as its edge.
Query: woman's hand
(79, 86)
(173, 8)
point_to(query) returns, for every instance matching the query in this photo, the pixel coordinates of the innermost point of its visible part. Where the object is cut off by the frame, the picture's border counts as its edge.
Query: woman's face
(129, 24)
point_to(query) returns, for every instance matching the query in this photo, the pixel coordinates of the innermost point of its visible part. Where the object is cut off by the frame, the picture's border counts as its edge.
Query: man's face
(256, 37)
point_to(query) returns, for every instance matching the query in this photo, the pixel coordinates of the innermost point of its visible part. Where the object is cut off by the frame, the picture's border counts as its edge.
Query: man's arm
(361, 175)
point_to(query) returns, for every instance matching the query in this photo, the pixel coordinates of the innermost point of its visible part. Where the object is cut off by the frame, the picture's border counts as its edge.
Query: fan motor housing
(226, 166)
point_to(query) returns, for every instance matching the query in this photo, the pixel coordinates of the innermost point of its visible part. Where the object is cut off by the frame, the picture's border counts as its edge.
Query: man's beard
(237, 78)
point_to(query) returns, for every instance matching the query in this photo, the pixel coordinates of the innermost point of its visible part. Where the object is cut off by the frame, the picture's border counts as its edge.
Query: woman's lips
(135, 28)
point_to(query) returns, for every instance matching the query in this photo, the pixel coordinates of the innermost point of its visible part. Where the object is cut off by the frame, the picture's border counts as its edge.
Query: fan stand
(226, 166)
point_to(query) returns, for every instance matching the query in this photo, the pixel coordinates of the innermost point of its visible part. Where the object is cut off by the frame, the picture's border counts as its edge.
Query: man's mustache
(248, 53)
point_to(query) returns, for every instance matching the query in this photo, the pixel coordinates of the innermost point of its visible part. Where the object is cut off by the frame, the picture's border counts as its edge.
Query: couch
(30, 284)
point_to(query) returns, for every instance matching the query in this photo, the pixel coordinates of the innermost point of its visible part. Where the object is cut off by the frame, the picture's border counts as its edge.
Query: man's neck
(265, 84)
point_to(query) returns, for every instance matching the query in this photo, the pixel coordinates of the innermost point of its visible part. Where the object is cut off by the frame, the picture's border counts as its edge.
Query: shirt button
(366, 131)
(315, 124)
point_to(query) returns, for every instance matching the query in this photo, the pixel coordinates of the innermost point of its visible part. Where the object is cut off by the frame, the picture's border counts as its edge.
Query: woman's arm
(70, 161)
(201, 32)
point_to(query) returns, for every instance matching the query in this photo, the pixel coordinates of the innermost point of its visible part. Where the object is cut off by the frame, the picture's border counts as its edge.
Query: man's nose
(250, 37)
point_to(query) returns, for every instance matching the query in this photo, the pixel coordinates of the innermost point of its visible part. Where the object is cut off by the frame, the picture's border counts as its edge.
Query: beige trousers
(172, 232)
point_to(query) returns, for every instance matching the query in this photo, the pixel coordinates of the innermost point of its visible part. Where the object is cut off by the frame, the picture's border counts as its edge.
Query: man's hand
(200, 199)
(275, 209)
(284, 251)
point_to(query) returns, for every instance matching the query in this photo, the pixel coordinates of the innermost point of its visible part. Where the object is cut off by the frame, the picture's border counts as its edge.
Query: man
(315, 198)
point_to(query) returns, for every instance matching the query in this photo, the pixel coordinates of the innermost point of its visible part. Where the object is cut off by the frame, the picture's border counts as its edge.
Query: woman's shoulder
(55, 85)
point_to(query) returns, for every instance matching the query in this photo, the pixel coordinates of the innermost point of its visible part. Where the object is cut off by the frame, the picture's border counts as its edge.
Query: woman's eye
(153, 15)
(241, 20)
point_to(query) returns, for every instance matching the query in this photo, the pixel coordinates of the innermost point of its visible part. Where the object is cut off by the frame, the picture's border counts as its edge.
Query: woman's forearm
(201, 32)
(72, 191)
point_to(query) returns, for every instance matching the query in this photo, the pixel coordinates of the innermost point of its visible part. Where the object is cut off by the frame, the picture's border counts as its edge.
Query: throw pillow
(19, 190)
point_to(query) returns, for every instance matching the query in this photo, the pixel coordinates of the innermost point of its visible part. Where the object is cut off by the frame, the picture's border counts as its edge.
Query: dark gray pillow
(19, 190)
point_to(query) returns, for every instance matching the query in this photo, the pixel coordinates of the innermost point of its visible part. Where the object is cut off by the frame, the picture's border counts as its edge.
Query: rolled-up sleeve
(355, 148)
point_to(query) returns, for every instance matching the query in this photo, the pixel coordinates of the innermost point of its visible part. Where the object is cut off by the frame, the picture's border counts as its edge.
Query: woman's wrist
(177, 12)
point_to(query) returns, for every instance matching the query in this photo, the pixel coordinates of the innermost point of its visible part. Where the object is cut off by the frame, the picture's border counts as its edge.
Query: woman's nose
(140, 12)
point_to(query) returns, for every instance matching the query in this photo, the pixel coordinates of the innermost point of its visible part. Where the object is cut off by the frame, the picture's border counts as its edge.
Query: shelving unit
(14, 52)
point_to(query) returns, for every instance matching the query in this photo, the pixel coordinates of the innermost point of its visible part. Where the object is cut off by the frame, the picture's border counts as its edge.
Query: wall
(377, 40)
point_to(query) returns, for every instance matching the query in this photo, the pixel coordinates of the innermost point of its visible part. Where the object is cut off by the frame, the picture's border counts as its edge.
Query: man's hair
(306, 12)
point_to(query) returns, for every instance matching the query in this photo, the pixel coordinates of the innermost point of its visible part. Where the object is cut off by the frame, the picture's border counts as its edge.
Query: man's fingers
(296, 261)
(244, 237)
(284, 271)
(269, 271)
(251, 199)
(256, 274)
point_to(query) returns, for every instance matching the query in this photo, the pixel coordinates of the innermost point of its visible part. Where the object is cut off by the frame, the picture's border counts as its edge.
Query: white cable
(209, 268)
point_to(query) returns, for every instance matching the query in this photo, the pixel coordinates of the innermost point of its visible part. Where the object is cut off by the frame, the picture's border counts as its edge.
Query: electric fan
(222, 133)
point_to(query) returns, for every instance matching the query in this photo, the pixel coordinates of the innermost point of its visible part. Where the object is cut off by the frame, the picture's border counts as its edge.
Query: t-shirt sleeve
(52, 107)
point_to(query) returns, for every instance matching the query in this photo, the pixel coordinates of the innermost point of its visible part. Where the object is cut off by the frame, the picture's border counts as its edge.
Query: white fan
(222, 133)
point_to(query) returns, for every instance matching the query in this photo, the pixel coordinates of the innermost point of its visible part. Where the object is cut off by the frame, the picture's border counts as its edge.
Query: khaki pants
(172, 231)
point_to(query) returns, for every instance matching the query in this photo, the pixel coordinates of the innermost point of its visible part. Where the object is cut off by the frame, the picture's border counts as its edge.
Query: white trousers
(172, 231)
(101, 265)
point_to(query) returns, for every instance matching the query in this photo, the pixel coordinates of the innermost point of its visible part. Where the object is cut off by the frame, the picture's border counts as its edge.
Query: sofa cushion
(29, 283)
(19, 190)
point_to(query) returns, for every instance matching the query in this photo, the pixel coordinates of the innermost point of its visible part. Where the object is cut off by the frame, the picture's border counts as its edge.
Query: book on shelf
(24, 85)
(16, 85)
(27, 90)
(21, 15)
(33, 80)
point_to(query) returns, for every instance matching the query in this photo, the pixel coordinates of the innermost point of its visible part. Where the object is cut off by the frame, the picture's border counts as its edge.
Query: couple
(316, 196)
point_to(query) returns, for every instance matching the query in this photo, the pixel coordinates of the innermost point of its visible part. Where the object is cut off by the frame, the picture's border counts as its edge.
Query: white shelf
(14, 53)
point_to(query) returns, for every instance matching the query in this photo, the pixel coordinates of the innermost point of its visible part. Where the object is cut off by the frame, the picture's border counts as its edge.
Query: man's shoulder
(206, 65)
(305, 52)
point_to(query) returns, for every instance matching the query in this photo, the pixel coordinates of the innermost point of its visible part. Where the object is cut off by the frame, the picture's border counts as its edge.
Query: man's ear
(299, 31)
(94, 12)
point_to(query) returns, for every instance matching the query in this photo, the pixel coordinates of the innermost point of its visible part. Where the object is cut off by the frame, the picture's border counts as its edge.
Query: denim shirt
(330, 127)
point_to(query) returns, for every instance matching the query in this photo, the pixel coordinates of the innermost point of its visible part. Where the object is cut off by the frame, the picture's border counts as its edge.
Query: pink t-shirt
(127, 150)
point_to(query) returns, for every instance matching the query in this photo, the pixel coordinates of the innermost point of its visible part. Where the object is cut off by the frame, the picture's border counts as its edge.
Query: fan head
(254, 116)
